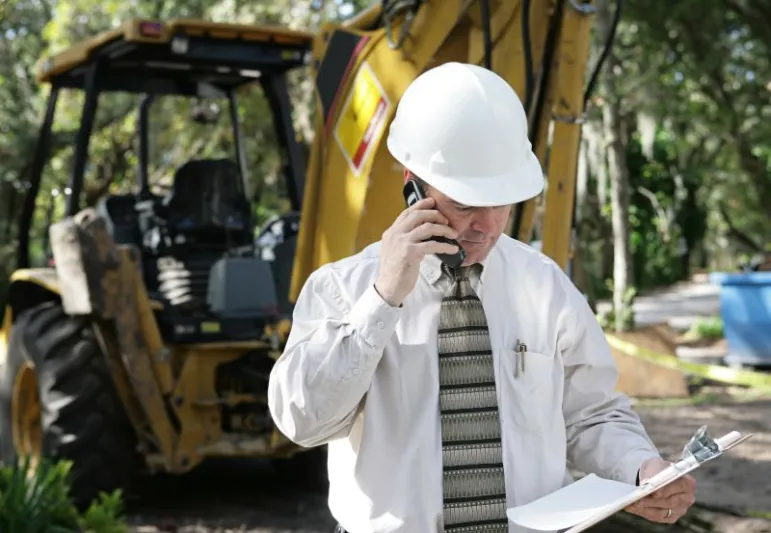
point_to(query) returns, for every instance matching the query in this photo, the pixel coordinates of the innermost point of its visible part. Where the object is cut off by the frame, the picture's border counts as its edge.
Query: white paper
(572, 504)
(592, 499)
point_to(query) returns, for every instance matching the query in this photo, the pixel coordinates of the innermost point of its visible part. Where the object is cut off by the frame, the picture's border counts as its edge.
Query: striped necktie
(473, 480)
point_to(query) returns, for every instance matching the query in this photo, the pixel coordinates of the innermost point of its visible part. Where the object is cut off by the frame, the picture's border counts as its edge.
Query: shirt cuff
(630, 472)
(374, 318)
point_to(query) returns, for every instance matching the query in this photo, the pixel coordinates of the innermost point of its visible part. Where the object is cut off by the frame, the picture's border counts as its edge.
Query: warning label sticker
(362, 119)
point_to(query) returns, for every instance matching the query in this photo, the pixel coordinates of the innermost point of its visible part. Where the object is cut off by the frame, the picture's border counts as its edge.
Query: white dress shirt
(362, 377)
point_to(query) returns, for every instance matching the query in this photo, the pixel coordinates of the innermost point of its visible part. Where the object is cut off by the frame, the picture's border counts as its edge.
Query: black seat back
(121, 217)
(208, 201)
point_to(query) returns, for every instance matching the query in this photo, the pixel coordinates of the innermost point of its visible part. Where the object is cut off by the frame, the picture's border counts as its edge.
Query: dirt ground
(738, 482)
(741, 479)
(245, 496)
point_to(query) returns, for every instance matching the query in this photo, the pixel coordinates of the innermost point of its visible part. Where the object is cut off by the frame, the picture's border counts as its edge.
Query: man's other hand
(668, 504)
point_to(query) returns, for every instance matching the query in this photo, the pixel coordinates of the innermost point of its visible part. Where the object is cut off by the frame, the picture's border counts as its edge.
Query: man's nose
(483, 219)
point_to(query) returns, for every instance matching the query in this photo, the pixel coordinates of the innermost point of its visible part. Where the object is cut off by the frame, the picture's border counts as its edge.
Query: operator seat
(204, 216)
(208, 201)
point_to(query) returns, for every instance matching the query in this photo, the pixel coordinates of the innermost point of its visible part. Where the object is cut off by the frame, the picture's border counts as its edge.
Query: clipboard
(700, 449)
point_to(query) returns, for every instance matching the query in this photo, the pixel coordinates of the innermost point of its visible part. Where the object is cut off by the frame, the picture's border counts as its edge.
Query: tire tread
(83, 418)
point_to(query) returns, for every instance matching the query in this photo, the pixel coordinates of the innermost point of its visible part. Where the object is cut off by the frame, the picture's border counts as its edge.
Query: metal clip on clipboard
(699, 449)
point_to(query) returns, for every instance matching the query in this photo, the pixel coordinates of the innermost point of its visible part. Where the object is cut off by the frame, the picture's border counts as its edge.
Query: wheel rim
(26, 414)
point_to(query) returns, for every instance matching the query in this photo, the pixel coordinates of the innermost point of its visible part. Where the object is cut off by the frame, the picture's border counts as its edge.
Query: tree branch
(737, 234)
(114, 166)
(661, 213)
(756, 18)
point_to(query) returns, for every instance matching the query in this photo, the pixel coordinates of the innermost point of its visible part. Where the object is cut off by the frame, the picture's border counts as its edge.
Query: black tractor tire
(306, 469)
(82, 417)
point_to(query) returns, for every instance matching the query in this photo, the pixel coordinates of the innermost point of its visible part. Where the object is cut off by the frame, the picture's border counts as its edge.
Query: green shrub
(706, 328)
(38, 501)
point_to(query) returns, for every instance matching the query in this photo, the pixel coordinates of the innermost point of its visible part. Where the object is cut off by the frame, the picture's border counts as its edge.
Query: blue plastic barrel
(745, 307)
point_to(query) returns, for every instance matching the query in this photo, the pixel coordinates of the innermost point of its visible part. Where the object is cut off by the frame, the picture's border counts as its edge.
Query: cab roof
(179, 56)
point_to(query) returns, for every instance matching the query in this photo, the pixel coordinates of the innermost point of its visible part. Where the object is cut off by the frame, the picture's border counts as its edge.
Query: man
(448, 395)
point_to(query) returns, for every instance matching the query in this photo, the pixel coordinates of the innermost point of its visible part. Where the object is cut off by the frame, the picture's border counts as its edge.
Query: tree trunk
(619, 202)
(619, 176)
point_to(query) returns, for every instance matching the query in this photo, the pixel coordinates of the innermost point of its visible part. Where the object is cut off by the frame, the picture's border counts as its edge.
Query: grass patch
(706, 328)
(708, 395)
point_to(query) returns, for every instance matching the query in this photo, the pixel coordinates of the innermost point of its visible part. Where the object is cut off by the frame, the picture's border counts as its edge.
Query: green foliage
(704, 328)
(38, 501)
(692, 85)
(665, 222)
(655, 230)
(105, 515)
(709, 71)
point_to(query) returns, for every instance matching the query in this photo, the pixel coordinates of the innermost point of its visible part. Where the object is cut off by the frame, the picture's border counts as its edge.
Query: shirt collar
(431, 267)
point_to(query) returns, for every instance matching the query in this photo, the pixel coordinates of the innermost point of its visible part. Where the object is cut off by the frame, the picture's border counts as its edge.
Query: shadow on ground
(228, 495)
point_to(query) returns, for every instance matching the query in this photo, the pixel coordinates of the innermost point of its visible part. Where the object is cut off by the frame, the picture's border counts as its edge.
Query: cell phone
(413, 193)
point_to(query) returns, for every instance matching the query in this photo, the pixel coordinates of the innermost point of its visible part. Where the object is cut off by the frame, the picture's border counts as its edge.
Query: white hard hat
(462, 129)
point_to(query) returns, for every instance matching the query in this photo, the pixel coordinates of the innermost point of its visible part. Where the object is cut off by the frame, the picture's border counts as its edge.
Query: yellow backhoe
(148, 342)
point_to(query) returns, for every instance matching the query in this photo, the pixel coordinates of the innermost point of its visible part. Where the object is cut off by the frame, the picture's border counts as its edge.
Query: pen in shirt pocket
(521, 350)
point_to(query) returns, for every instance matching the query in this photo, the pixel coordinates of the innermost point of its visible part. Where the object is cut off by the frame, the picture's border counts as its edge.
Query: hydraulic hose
(605, 52)
(487, 33)
(528, 53)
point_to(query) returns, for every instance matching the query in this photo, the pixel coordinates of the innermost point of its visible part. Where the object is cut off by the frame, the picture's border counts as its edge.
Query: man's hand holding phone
(405, 243)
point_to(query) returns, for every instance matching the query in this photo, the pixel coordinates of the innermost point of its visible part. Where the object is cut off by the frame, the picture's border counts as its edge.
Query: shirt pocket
(528, 392)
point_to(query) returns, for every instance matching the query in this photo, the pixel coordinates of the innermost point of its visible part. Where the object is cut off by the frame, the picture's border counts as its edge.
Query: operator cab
(196, 241)
(198, 254)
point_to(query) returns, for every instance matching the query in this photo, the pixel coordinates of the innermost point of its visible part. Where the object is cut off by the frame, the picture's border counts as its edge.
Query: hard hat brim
(521, 184)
